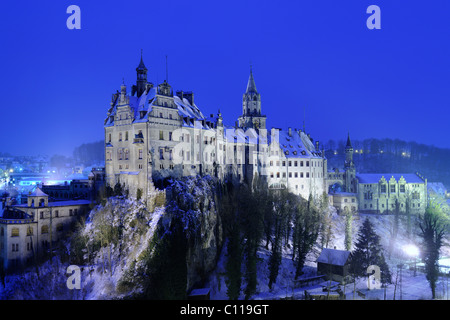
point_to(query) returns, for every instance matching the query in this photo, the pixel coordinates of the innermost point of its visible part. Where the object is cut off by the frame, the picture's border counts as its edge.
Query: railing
(15, 221)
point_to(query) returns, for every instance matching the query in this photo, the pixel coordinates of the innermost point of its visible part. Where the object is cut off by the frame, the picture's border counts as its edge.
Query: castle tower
(141, 82)
(349, 166)
(251, 107)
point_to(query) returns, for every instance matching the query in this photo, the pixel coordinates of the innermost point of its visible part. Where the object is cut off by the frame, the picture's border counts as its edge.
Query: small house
(334, 264)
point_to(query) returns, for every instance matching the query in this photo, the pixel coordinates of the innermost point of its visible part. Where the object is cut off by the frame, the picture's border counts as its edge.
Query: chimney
(317, 145)
(290, 131)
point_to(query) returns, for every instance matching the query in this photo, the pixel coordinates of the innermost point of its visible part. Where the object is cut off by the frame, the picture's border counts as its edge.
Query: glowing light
(411, 250)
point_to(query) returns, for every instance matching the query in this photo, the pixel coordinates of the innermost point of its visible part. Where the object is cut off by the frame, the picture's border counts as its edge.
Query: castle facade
(152, 133)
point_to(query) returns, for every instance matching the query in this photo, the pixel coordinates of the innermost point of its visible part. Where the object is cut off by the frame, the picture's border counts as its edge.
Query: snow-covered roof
(297, 145)
(38, 193)
(334, 256)
(376, 177)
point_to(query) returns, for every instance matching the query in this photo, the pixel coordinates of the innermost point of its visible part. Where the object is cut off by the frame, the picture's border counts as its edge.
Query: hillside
(179, 240)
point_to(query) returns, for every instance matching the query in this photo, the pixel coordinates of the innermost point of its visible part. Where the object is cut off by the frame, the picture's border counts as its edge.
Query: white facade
(159, 134)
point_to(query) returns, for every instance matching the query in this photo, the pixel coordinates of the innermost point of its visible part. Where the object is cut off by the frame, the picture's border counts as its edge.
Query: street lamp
(412, 251)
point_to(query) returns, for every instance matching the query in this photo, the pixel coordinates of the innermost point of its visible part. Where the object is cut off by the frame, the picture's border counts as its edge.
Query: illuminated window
(44, 229)
(14, 232)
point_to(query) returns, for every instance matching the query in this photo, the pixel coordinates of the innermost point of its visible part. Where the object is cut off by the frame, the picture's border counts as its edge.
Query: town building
(383, 193)
(28, 231)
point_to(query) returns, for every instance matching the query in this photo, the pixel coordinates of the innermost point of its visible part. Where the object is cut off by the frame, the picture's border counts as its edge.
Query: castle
(152, 133)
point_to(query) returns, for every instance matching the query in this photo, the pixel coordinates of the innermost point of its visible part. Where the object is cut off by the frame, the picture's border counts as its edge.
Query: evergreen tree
(326, 222)
(348, 230)
(251, 211)
(283, 203)
(368, 251)
(306, 231)
(432, 226)
(232, 231)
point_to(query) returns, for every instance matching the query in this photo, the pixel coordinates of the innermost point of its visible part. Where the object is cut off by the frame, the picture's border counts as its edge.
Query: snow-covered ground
(100, 284)
(409, 286)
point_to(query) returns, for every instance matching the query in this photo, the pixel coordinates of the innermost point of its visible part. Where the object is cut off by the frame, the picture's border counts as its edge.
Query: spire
(141, 65)
(251, 87)
(349, 143)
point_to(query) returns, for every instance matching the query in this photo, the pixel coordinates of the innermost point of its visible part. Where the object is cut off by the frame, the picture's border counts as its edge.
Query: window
(161, 135)
(278, 174)
(307, 163)
(140, 154)
(296, 174)
(402, 188)
(109, 137)
(119, 154)
(59, 227)
(301, 163)
(70, 212)
(41, 214)
(383, 188)
(161, 154)
(170, 136)
(295, 163)
(29, 231)
(392, 188)
(284, 163)
(15, 247)
(126, 135)
(307, 174)
(14, 232)
(120, 136)
(127, 154)
(44, 229)
(290, 163)
(284, 174)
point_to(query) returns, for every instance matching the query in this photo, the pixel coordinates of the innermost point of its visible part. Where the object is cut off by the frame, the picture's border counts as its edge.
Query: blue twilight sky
(309, 57)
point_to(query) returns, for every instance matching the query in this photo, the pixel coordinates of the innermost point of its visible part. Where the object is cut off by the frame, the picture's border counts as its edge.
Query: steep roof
(334, 256)
(38, 193)
(141, 65)
(349, 143)
(251, 86)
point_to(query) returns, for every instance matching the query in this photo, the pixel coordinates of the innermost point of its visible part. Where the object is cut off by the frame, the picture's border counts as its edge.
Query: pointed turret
(349, 143)
(141, 66)
(251, 107)
(251, 86)
(141, 82)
